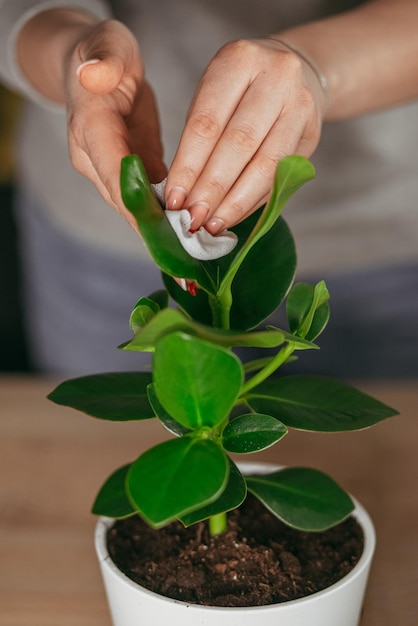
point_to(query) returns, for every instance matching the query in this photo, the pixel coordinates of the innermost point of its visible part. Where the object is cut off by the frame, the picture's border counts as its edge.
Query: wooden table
(53, 460)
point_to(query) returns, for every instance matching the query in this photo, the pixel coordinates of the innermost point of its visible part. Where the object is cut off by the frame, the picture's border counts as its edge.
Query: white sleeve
(13, 16)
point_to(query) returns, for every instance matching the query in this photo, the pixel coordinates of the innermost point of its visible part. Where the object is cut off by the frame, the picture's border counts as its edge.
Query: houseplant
(216, 403)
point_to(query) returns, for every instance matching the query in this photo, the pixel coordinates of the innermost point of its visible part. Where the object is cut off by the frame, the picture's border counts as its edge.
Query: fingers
(254, 106)
(111, 111)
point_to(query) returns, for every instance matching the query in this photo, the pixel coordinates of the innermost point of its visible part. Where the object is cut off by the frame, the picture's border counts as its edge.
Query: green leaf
(303, 498)
(143, 312)
(112, 500)
(233, 495)
(176, 477)
(307, 309)
(160, 239)
(252, 433)
(264, 278)
(292, 172)
(173, 320)
(167, 421)
(119, 396)
(297, 342)
(196, 382)
(146, 308)
(317, 404)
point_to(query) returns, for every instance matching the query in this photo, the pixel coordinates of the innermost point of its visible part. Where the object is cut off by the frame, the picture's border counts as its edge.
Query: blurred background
(13, 352)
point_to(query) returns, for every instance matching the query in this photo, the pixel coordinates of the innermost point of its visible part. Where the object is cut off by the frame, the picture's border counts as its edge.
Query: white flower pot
(338, 605)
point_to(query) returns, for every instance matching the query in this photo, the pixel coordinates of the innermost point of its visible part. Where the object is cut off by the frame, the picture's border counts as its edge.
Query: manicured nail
(83, 65)
(215, 226)
(176, 198)
(198, 213)
(192, 287)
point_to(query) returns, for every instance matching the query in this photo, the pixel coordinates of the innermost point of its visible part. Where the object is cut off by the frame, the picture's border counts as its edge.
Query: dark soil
(258, 561)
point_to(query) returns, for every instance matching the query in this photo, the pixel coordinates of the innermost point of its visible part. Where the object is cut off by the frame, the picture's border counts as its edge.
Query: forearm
(44, 44)
(369, 55)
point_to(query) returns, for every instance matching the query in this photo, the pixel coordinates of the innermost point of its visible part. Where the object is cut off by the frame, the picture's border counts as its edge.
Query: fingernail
(83, 65)
(198, 213)
(215, 226)
(176, 198)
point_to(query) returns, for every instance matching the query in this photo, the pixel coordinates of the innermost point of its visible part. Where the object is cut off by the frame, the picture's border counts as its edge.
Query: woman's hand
(97, 71)
(257, 102)
(111, 110)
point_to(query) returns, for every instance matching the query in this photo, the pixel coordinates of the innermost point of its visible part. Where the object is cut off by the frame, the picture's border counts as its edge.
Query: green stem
(271, 367)
(217, 524)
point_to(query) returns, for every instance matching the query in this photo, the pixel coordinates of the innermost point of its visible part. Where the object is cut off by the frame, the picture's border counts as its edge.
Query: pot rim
(360, 514)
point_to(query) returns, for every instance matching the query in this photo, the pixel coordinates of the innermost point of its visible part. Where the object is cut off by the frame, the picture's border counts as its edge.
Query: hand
(111, 110)
(257, 102)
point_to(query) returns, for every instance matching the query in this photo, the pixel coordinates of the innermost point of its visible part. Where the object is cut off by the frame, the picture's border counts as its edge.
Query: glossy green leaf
(165, 418)
(317, 404)
(307, 309)
(112, 500)
(264, 278)
(160, 239)
(297, 342)
(251, 433)
(292, 172)
(196, 382)
(146, 308)
(233, 495)
(303, 498)
(119, 396)
(176, 477)
(143, 312)
(173, 320)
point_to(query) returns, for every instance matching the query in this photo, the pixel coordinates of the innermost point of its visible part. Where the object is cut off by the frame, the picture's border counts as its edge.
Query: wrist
(313, 66)
(44, 44)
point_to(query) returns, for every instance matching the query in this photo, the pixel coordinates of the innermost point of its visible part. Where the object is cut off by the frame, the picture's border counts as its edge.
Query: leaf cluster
(214, 404)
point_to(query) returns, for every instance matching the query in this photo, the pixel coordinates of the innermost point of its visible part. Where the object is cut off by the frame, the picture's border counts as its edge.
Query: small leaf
(252, 433)
(121, 396)
(317, 404)
(233, 495)
(303, 498)
(196, 382)
(112, 500)
(176, 477)
(167, 421)
(307, 309)
(172, 320)
(143, 312)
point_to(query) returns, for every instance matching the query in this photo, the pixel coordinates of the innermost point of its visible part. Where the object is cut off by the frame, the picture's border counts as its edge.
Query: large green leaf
(119, 396)
(112, 500)
(317, 404)
(160, 239)
(303, 498)
(167, 421)
(233, 495)
(176, 477)
(172, 320)
(252, 433)
(195, 381)
(264, 277)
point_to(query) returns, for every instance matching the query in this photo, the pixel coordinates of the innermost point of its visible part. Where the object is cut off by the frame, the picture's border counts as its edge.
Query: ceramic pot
(340, 604)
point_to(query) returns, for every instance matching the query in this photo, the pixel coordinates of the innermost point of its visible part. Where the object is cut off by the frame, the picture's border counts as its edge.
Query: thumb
(101, 76)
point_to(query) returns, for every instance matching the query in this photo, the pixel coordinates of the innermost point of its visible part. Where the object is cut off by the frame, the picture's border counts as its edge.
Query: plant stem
(271, 367)
(217, 524)
(221, 309)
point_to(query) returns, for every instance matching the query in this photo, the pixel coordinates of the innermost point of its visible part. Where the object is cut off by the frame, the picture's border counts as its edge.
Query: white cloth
(200, 244)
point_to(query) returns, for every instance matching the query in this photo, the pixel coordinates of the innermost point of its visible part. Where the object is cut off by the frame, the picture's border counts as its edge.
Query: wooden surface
(53, 460)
